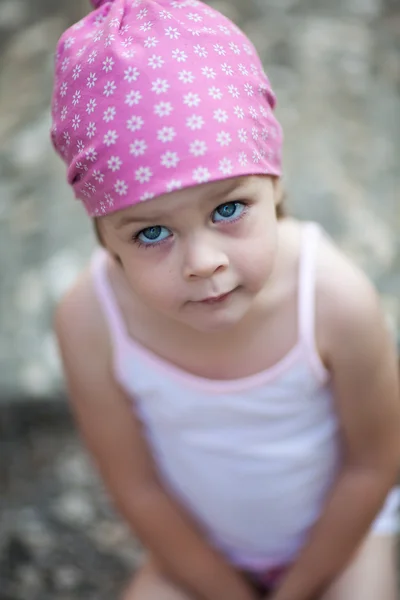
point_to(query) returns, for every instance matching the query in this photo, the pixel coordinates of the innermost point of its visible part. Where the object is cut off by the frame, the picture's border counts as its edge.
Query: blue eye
(228, 212)
(152, 235)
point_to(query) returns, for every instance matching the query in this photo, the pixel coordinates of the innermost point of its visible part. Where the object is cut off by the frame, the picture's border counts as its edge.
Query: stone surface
(336, 70)
(59, 536)
(91, 554)
(335, 67)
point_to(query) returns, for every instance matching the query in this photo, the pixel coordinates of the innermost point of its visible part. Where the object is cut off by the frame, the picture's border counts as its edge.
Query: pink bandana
(157, 95)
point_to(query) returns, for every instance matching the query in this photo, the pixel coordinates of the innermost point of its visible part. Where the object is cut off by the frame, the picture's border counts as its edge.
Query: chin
(216, 322)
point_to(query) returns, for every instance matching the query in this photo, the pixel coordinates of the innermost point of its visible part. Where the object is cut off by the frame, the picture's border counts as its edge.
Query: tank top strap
(106, 298)
(311, 236)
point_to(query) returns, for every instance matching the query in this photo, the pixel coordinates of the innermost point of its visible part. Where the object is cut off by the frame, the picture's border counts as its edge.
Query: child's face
(199, 255)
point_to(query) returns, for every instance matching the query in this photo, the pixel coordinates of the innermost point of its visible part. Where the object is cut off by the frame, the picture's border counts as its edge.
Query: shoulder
(349, 315)
(102, 410)
(79, 323)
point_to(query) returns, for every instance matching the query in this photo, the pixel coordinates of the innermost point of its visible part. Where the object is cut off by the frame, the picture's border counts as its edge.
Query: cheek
(254, 256)
(154, 286)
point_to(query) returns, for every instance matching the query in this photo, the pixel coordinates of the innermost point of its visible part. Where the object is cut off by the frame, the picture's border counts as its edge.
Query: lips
(216, 299)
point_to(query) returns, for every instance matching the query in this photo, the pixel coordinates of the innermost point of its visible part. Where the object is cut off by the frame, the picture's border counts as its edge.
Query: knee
(128, 592)
(146, 584)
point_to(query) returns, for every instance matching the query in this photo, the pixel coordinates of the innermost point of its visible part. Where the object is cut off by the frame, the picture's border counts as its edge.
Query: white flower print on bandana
(156, 95)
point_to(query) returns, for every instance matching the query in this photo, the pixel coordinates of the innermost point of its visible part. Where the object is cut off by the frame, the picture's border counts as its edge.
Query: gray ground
(336, 69)
(59, 538)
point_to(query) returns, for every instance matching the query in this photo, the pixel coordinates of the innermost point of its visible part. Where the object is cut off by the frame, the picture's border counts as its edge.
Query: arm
(115, 440)
(365, 381)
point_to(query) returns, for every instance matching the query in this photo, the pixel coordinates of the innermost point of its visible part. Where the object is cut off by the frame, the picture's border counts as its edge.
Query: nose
(203, 258)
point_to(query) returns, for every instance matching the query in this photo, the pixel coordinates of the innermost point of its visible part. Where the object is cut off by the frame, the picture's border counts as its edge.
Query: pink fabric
(271, 578)
(156, 95)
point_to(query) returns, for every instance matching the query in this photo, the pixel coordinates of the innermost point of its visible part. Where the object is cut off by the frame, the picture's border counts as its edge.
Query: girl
(229, 369)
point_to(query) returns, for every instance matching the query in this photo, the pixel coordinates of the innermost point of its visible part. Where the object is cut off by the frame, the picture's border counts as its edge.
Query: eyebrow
(236, 184)
(131, 219)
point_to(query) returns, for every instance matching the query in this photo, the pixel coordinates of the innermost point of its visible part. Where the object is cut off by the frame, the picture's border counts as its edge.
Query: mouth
(217, 299)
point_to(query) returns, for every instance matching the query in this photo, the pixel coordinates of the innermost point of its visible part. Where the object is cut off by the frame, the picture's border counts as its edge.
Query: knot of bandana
(156, 95)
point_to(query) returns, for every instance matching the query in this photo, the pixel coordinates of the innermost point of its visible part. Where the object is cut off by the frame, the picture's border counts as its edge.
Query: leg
(371, 575)
(149, 584)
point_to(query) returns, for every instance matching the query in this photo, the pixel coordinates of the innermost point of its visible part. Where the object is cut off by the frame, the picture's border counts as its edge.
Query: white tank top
(252, 459)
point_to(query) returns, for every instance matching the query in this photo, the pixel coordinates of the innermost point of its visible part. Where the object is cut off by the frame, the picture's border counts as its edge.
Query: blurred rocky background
(335, 67)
